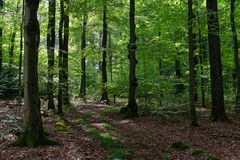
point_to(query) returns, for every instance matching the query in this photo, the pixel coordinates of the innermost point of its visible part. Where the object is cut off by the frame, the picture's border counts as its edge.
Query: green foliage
(213, 158)
(180, 145)
(61, 126)
(110, 144)
(198, 153)
(111, 110)
(8, 81)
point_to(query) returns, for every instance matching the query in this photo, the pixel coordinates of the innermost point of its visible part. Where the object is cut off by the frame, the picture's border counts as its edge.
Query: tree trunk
(65, 95)
(104, 56)
(1, 43)
(110, 56)
(19, 98)
(83, 61)
(11, 48)
(191, 65)
(132, 107)
(179, 86)
(33, 134)
(50, 49)
(218, 110)
(60, 59)
(236, 59)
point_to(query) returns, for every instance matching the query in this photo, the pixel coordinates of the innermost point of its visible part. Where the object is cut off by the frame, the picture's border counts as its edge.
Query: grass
(180, 145)
(110, 144)
(198, 153)
(111, 110)
(109, 127)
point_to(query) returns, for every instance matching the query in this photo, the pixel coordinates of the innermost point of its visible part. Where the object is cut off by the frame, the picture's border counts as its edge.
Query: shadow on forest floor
(98, 131)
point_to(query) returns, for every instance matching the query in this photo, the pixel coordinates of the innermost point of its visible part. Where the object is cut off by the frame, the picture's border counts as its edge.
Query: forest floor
(94, 131)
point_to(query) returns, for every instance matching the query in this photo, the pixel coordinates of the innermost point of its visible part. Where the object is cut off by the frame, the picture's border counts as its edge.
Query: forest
(119, 80)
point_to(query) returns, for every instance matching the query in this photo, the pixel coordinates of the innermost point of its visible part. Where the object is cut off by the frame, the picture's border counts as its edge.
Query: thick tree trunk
(104, 56)
(132, 107)
(11, 48)
(65, 98)
(50, 49)
(33, 134)
(60, 59)
(236, 59)
(83, 61)
(191, 65)
(218, 110)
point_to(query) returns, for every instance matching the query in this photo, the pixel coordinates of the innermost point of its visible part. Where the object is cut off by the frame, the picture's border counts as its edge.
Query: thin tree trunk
(218, 110)
(191, 65)
(65, 99)
(50, 49)
(132, 107)
(11, 48)
(110, 57)
(1, 43)
(83, 61)
(19, 99)
(236, 59)
(60, 59)
(104, 56)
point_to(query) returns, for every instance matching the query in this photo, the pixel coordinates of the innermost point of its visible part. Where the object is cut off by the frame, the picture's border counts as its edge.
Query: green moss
(198, 153)
(110, 144)
(61, 126)
(180, 145)
(111, 110)
(213, 158)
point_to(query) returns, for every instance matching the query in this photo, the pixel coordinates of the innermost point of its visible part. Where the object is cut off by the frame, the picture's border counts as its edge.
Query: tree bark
(60, 59)
(104, 56)
(132, 107)
(11, 48)
(1, 43)
(83, 61)
(50, 49)
(33, 134)
(65, 98)
(191, 65)
(236, 59)
(218, 110)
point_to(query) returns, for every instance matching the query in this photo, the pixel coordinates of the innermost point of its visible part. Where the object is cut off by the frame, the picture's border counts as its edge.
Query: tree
(132, 107)
(236, 59)
(65, 97)
(50, 50)
(104, 56)
(11, 48)
(218, 110)
(60, 59)
(1, 31)
(191, 65)
(33, 134)
(83, 61)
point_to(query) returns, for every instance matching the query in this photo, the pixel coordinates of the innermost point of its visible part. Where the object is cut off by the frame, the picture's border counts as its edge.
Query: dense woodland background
(147, 58)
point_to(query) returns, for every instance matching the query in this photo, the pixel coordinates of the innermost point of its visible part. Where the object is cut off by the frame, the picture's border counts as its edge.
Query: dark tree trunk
(104, 56)
(179, 86)
(218, 110)
(11, 48)
(100, 46)
(236, 59)
(132, 107)
(19, 99)
(60, 59)
(65, 99)
(50, 49)
(33, 134)
(83, 61)
(110, 57)
(1, 31)
(191, 65)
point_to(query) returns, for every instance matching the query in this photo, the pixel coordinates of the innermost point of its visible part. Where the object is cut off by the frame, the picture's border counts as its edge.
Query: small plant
(109, 127)
(213, 158)
(110, 110)
(180, 145)
(198, 153)
(60, 126)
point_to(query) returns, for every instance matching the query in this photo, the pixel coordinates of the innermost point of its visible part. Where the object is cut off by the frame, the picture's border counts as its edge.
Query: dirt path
(96, 131)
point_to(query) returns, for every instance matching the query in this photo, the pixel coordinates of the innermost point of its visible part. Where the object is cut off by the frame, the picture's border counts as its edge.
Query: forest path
(95, 131)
